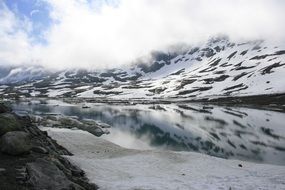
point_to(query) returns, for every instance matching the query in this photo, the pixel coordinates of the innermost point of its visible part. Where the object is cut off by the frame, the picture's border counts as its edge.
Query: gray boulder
(15, 143)
(97, 131)
(44, 174)
(8, 122)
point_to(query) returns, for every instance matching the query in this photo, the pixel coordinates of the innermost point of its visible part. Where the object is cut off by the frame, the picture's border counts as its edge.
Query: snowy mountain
(217, 68)
(23, 74)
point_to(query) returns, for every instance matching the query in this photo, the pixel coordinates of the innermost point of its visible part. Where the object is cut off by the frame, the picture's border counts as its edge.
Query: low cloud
(88, 36)
(15, 47)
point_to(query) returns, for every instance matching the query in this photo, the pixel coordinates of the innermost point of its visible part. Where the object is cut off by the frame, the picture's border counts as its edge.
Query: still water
(227, 132)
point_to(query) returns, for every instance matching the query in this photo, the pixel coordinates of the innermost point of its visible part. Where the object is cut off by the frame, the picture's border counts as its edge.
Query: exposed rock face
(4, 108)
(15, 143)
(8, 122)
(39, 149)
(46, 175)
(43, 168)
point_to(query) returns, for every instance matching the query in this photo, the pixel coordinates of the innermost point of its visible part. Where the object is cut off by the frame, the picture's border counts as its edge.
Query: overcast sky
(107, 33)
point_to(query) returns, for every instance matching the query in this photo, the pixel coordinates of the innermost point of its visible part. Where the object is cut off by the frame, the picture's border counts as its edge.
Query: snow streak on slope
(217, 68)
(22, 74)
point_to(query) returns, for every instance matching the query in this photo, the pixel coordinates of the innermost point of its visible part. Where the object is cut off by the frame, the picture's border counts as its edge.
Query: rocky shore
(274, 102)
(30, 159)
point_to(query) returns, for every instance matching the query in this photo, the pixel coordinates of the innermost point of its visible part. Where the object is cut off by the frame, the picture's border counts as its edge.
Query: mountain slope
(217, 68)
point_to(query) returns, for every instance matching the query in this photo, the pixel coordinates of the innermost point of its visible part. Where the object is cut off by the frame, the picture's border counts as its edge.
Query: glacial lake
(228, 132)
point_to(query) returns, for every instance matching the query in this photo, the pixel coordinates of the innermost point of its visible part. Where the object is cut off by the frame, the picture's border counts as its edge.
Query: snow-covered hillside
(23, 74)
(217, 68)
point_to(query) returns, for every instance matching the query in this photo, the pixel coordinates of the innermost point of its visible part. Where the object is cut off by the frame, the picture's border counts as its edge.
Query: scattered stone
(95, 131)
(39, 149)
(106, 132)
(103, 125)
(240, 165)
(15, 143)
(43, 174)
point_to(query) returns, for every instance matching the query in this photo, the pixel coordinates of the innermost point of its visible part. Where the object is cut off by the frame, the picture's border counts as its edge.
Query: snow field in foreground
(113, 167)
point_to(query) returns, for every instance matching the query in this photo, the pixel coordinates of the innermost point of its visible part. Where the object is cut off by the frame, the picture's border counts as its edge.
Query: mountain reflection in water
(228, 132)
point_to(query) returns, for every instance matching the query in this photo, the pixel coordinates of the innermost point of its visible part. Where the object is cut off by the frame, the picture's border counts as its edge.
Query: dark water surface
(228, 132)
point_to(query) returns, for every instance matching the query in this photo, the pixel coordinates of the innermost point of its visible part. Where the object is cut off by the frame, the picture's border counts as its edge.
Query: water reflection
(240, 133)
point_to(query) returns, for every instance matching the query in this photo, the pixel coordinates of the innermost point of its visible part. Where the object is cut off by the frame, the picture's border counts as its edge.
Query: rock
(103, 125)
(97, 131)
(2, 171)
(45, 133)
(107, 132)
(15, 143)
(8, 122)
(33, 131)
(69, 122)
(77, 172)
(4, 109)
(62, 167)
(64, 164)
(21, 176)
(92, 129)
(43, 174)
(39, 149)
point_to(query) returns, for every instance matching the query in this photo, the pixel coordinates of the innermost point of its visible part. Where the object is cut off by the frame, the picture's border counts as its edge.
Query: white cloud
(35, 11)
(86, 37)
(15, 47)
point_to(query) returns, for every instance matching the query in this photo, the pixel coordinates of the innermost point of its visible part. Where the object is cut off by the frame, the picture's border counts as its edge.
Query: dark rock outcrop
(44, 174)
(4, 109)
(39, 149)
(8, 122)
(43, 168)
(15, 143)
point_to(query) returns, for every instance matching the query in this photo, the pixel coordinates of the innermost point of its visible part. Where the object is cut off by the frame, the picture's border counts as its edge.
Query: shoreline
(85, 159)
(272, 102)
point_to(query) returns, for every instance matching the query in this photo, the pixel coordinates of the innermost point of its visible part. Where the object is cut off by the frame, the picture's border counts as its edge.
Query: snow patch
(113, 167)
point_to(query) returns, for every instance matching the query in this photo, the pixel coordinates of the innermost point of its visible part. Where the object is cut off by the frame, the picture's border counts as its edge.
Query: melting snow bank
(113, 167)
